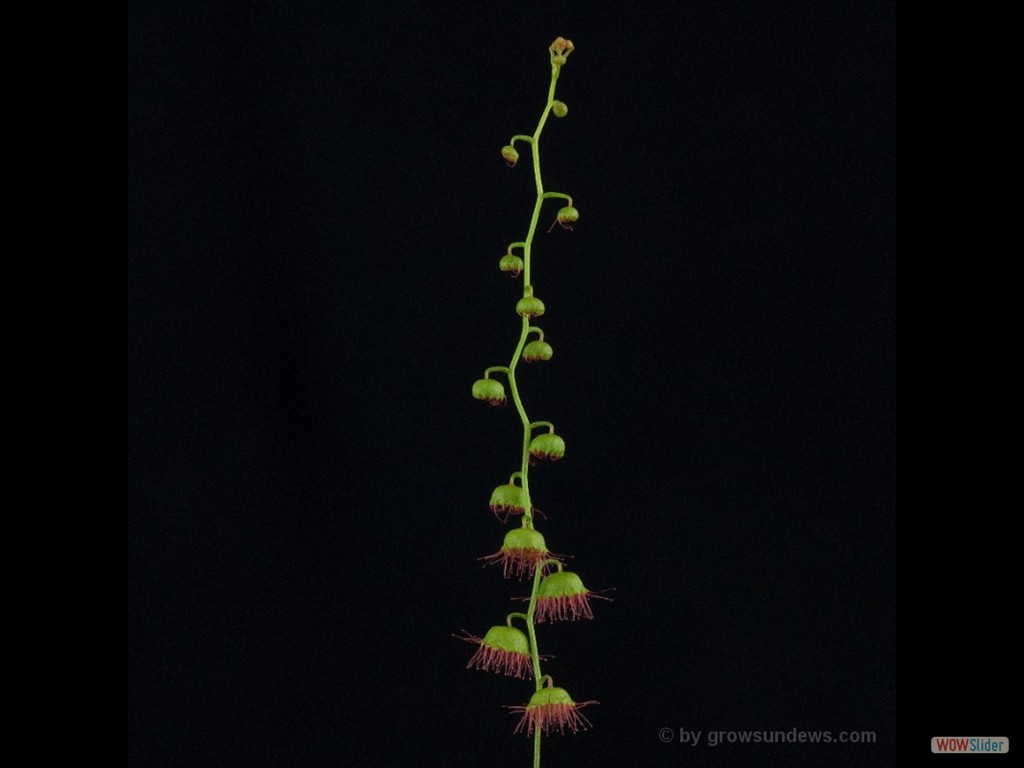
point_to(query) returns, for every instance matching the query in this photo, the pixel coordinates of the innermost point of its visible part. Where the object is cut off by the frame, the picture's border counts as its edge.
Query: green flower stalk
(556, 595)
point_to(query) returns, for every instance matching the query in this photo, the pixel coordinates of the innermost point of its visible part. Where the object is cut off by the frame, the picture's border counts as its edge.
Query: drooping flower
(506, 500)
(521, 552)
(548, 446)
(490, 391)
(530, 306)
(552, 709)
(510, 154)
(537, 350)
(566, 216)
(562, 597)
(504, 650)
(511, 264)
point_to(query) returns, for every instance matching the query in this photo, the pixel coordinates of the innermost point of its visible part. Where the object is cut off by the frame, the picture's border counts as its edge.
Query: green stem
(547, 195)
(525, 331)
(535, 654)
(536, 175)
(514, 390)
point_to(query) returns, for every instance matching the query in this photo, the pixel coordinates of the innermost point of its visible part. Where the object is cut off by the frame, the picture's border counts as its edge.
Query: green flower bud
(528, 306)
(510, 155)
(559, 108)
(567, 216)
(511, 264)
(547, 446)
(490, 391)
(507, 500)
(558, 59)
(537, 350)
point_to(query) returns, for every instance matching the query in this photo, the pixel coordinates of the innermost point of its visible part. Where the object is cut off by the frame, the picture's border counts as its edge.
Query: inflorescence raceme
(556, 595)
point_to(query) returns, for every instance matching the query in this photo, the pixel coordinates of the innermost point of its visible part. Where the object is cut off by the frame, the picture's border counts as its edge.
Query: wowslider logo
(970, 745)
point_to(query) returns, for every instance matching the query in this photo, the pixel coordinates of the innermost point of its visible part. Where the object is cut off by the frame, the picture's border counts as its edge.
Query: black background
(316, 210)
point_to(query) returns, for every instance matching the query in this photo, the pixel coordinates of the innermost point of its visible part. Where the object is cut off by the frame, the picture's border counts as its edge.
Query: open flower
(522, 551)
(504, 650)
(551, 708)
(562, 597)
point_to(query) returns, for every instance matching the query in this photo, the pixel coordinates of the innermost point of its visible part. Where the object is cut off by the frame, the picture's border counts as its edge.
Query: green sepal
(524, 538)
(537, 350)
(512, 264)
(510, 154)
(507, 639)
(508, 497)
(561, 584)
(529, 306)
(568, 215)
(552, 696)
(548, 446)
(489, 391)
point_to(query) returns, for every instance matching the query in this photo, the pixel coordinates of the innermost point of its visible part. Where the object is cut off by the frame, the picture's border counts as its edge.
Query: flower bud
(558, 59)
(559, 108)
(510, 154)
(566, 216)
(528, 306)
(511, 264)
(507, 500)
(490, 391)
(537, 350)
(547, 446)
(561, 45)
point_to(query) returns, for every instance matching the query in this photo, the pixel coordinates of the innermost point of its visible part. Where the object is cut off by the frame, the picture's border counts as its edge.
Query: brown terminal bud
(561, 45)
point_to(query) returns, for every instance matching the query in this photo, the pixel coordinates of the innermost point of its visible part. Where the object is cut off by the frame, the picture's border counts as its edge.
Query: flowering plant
(556, 594)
